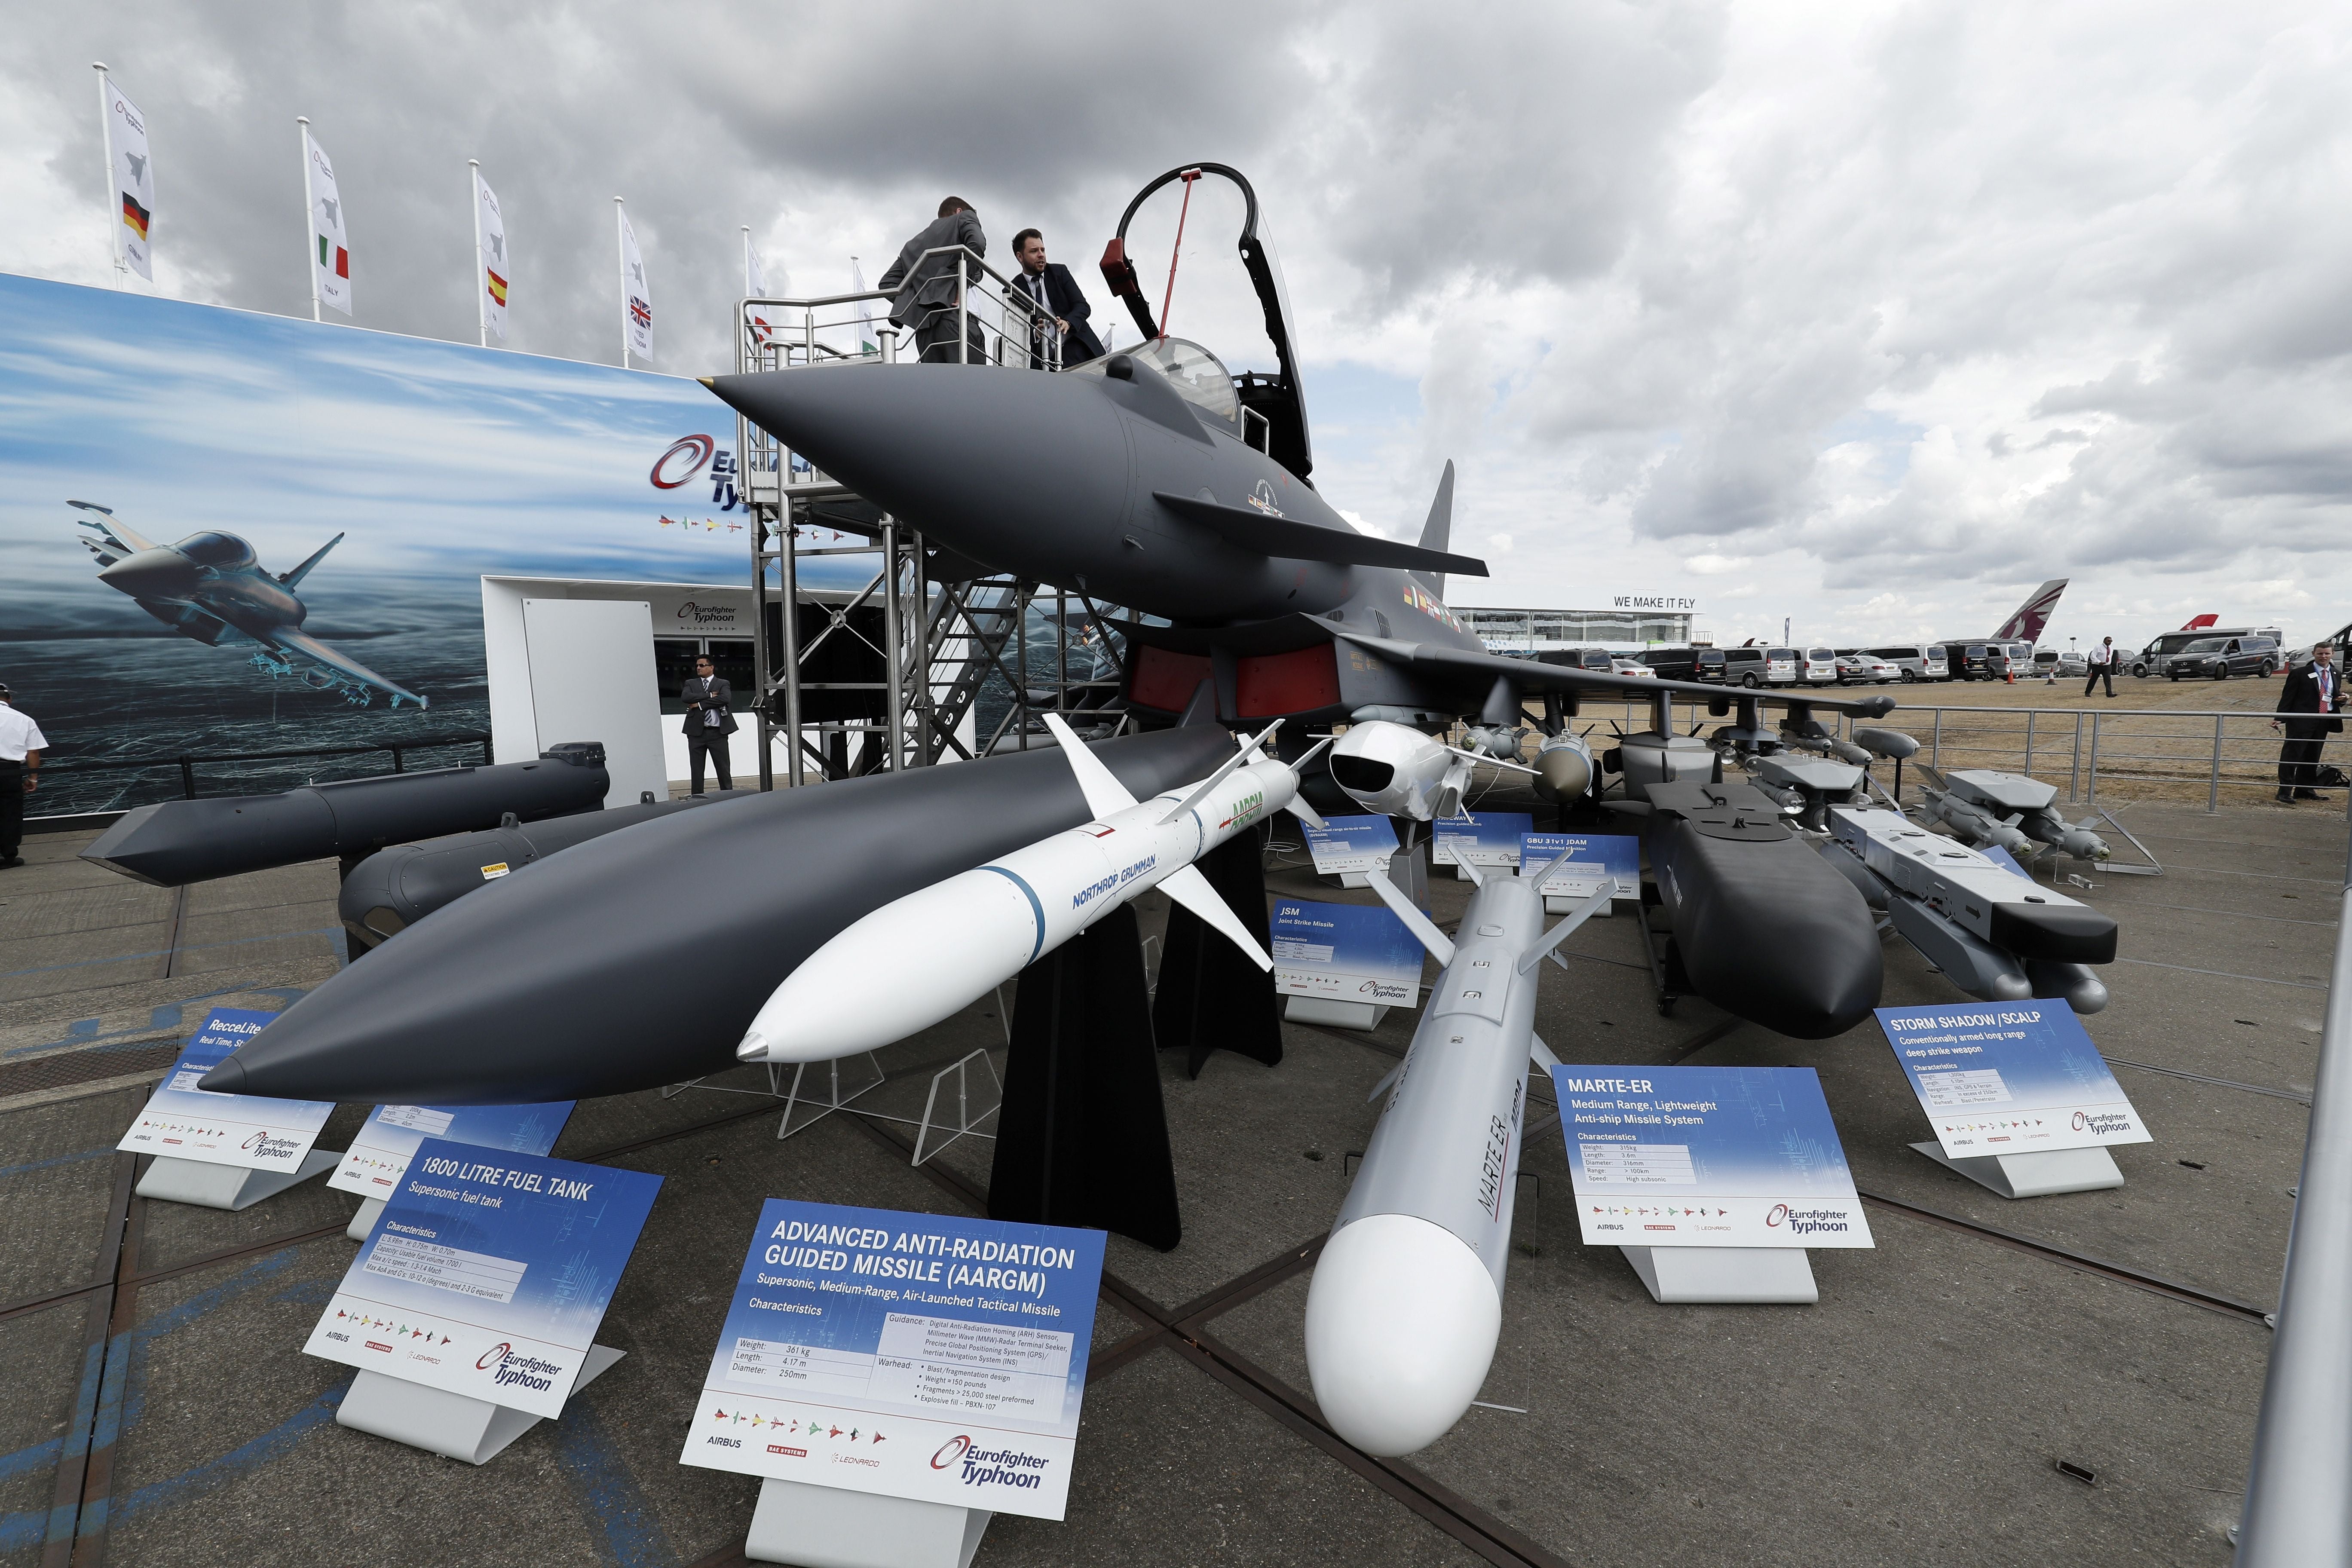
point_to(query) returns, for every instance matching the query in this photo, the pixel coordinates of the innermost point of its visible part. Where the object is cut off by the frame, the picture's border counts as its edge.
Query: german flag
(498, 287)
(134, 217)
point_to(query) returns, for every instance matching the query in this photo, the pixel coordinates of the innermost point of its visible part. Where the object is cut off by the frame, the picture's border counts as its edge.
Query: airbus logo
(686, 458)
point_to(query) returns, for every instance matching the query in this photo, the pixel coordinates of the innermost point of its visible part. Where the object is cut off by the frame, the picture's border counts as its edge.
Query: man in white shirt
(20, 774)
(709, 720)
(2103, 666)
(2313, 695)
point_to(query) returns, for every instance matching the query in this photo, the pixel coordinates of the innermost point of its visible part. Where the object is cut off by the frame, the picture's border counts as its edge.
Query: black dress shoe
(2309, 794)
(2286, 798)
(12, 862)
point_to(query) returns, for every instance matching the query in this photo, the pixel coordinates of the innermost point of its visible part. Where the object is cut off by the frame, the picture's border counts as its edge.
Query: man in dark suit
(2315, 689)
(709, 720)
(926, 288)
(1049, 283)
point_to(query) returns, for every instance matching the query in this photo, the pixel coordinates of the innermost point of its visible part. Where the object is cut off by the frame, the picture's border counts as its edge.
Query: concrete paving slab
(57, 1181)
(116, 904)
(311, 883)
(49, 1368)
(170, 1235)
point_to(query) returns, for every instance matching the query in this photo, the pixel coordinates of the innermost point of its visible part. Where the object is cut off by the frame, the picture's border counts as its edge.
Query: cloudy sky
(1868, 316)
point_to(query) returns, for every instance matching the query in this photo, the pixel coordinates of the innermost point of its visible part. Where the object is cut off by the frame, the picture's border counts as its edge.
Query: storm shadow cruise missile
(976, 931)
(1406, 1303)
(1996, 935)
(640, 959)
(177, 842)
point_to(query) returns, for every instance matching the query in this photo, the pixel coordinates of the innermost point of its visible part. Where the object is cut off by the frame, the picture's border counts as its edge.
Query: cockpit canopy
(1199, 376)
(221, 551)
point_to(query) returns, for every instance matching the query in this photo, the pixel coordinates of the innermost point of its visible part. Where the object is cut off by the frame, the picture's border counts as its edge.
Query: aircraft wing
(1476, 672)
(120, 536)
(303, 645)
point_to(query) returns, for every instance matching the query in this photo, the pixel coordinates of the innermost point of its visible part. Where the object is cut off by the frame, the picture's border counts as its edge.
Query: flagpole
(309, 237)
(481, 289)
(621, 250)
(105, 145)
(748, 290)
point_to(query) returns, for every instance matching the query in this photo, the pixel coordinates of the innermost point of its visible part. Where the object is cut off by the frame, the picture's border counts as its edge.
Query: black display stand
(1082, 1138)
(1211, 996)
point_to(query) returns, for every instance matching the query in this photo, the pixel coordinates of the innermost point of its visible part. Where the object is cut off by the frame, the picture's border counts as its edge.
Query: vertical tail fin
(1437, 534)
(2025, 623)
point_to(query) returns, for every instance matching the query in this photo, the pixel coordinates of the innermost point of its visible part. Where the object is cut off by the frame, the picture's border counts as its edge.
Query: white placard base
(365, 1221)
(473, 1431)
(1742, 1275)
(206, 1185)
(1338, 1014)
(1563, 903)
(1354, 879)
(824, 1527)
(2039, 1174)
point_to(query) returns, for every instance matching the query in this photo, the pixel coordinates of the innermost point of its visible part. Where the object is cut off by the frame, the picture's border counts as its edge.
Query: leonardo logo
(686, 458)
(494, 1357)
(951, 1450)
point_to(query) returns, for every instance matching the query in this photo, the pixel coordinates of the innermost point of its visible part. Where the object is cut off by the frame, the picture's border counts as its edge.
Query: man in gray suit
(927, 287)
(709, 720)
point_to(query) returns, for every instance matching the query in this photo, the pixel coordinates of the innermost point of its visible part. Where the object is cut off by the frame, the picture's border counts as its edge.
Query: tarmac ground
(158, 1409)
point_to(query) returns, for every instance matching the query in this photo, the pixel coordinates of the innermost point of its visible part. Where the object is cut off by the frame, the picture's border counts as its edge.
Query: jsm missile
(1407, 1299)
(638, 959)
(181, 841)
(978, 930)
(1994, 934)
(400, 884)
(1984, 806)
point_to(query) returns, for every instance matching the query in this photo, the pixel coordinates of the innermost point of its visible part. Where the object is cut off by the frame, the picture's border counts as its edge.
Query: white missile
(925, 957)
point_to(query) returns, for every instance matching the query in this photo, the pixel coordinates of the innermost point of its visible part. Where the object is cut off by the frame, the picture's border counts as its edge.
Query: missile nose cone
(2068, 933)
(754, 1048)
(1402, 1319)
(226, 1078)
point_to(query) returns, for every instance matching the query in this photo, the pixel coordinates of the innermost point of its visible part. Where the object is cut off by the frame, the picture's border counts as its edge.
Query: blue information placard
(1488, 838)
(1353, 952)
(488, 1274)
(1350, 844)
(912, 1356)
(1597, 860)
(184, 1122)
(1706, 1156)
(2009, 1077)
(380, 1150)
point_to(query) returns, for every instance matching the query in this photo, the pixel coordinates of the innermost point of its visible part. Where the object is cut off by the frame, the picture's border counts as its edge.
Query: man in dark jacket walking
(709, 720)
(926, 288)
(2315, 689)
(1056, 292)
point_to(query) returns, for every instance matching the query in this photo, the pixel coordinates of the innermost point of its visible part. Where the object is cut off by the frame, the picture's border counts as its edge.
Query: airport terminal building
(1631, 620)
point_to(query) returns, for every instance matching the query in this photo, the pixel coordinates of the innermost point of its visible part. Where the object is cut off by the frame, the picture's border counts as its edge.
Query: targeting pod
(1396, 772)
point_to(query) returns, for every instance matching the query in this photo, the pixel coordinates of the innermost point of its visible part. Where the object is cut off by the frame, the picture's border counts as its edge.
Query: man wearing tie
(2316, 689)
(1056, 294)
(709, 720)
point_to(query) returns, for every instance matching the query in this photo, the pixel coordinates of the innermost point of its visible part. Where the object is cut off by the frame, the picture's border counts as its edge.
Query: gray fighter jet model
(209, 587)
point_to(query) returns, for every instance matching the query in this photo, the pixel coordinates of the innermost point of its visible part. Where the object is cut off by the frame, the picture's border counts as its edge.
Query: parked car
(1632, 667)
(2156, 658)
(1755, 666)
(2045, 663)
(2074, 663)
(1708, 665)
(1859, 666)
(1680, 663)
(2219, 659)
(1917, 662)
(1818, 667)
(1980, 661)
(1577, 659)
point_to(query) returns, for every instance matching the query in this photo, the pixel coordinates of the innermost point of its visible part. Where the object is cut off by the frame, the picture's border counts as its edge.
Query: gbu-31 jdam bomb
(1987, 806)
(1995, 935)
(181, 841)
(640, 959)
(924, 957)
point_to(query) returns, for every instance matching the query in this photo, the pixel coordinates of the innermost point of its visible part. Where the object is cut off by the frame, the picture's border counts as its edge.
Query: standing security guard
(2316, 689)
(20, 774)
(709, 720)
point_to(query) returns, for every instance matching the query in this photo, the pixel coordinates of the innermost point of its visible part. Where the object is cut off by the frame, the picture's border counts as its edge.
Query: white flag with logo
(868, 341)
(135, 178)
(331, 254)
(637, 297)
(493, 256)
(755, 287)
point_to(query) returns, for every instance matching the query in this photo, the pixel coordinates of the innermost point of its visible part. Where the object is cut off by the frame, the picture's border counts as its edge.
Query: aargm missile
(976, 931)
(1407, 1299)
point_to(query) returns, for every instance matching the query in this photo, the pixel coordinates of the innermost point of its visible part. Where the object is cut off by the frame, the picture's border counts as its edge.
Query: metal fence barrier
(184, 765)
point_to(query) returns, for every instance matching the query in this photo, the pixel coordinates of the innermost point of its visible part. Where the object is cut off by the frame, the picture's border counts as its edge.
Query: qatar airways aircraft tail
(2025, 623)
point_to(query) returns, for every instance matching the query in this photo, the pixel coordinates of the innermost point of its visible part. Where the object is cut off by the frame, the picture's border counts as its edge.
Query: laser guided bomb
(638, 959)
(976, 931)
(2020, 813)
(1996, 935)
(177, 842)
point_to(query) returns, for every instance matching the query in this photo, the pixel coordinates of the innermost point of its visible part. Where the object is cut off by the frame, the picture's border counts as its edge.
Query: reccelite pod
(976, 931)
(1407, 1298)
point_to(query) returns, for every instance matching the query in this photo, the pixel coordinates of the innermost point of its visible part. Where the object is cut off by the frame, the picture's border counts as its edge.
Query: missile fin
(1558, 934)
(1201, 790)
(1440, 947)
(1540, 1053)
(1105, 795)
(1191, 890)
(1305, 813)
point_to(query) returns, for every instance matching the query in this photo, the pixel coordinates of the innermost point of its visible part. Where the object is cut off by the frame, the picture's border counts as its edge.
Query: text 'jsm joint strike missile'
(979, 929)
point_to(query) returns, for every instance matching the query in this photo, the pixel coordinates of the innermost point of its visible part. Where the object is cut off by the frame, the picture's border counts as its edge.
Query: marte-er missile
(1407, 1299)
(638, 959)
(181, 841)
(974, 931)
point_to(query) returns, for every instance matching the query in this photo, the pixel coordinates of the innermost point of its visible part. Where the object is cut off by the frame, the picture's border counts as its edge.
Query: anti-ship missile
(638, 959)
(177, 842)
(976, 931)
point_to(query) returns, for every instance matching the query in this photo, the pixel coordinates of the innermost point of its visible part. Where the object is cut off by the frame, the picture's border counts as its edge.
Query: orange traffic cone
(2012, 675)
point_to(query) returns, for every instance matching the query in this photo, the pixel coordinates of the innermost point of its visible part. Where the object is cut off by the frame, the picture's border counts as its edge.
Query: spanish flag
(134, 217)
(498, 286)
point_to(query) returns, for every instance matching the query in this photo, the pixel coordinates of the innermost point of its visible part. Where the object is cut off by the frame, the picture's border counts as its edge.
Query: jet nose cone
(148, 574)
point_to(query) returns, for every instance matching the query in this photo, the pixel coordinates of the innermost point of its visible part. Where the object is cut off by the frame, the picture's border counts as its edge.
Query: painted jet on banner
(209, 587)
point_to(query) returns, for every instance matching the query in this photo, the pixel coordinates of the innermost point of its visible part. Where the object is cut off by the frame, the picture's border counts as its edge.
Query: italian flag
(342, 256)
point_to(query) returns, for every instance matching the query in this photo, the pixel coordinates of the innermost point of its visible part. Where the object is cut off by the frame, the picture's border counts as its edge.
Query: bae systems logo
(951, 1450)
(686, 458)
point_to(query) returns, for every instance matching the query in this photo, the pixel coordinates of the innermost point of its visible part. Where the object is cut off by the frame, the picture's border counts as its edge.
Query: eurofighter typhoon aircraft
(209, 587)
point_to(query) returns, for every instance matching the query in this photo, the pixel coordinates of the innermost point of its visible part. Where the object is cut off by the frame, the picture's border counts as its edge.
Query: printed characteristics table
(926, 1366)
(1639, 1164)
(452, 1268)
